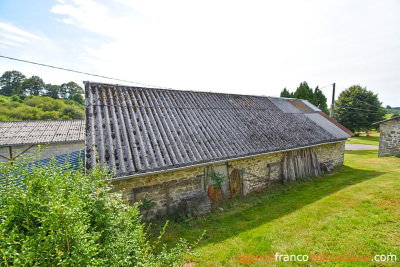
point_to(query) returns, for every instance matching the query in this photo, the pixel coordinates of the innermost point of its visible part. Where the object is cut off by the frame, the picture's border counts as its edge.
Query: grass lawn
(354, 210)
(363, 139)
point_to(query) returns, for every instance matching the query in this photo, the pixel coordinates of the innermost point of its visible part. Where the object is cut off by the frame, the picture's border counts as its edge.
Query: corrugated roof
(327, 125)
(138, 130)
(71, 161)
(41, 132)
(335, 122)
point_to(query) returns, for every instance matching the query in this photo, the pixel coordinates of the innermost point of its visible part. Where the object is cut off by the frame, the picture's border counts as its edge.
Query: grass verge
(355, 210)
(364, 139)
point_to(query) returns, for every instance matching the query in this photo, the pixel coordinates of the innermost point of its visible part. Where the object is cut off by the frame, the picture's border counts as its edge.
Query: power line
(325, 86)
(372, 111)
(367, 103)
(81, 72)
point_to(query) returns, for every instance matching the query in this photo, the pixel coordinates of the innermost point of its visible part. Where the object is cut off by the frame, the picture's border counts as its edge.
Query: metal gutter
(219, 161)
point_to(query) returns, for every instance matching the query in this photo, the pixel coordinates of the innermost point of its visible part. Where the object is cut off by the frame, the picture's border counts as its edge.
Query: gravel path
(359, 147)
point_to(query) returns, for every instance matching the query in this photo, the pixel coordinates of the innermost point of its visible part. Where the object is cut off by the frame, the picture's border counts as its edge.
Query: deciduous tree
(11, 83)
(33, 85)
(357, 108)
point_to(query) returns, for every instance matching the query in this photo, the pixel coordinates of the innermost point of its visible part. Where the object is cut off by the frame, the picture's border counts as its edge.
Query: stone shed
(23, 137)
(389, 140)
(166, 146)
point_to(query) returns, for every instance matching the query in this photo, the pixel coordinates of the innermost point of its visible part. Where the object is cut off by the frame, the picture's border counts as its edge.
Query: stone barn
(23, 137)
(167, 146)
(389, 140)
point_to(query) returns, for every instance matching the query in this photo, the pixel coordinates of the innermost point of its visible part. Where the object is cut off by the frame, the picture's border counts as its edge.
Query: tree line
(15, 83)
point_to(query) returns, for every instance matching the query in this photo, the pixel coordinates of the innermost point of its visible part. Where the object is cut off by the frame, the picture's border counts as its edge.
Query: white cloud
(4, 27)
(253, 47)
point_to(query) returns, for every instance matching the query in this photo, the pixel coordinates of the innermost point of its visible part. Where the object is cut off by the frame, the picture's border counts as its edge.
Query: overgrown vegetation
(354, 210)
(52, 217)
(16, 108)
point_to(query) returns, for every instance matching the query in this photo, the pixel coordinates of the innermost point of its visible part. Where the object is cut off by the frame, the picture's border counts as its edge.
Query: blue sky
(247, 47)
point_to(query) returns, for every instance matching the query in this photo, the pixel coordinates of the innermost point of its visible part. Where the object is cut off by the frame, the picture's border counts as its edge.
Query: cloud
(4, 27)
(14, 36)
(257, 47)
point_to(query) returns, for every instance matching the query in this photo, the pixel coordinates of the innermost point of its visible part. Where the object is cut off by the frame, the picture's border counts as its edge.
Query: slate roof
(41, 132)
(139, 130)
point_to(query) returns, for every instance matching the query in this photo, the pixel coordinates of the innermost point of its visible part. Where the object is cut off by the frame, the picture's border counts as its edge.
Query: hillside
(17, 108)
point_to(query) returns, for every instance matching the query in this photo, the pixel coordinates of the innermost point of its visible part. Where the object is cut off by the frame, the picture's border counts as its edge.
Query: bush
(25, 113)
(78, 98)
(72, 112)
(16, 98)
(50, 216)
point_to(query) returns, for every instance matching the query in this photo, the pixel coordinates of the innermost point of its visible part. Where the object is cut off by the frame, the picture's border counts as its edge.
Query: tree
(69, 89)
(286, 93)
(316, 98)
(321, 100)
(33, 85)
(52, 90)
(11, 83)
(357, 108)
(78, 98)
(305, 92)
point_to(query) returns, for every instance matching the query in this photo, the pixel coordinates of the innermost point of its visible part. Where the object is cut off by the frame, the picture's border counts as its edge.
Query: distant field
(363, 139)
(355, 210)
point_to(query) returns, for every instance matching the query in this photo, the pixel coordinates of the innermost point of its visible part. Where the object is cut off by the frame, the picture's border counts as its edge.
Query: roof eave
(126, 177)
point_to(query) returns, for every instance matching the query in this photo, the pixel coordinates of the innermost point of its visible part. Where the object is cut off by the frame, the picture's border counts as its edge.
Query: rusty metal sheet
(136, 130)
(41, 132)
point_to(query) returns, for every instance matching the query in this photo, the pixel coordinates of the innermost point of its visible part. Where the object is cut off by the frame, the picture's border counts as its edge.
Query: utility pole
(333, 101)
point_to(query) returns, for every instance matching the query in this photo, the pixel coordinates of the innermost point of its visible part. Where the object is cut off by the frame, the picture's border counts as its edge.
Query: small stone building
(389, 140)
(166, 145)
(23, 137)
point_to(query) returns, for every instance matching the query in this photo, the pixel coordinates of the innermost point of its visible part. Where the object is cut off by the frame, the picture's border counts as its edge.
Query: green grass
(364, 139)
(354, 210)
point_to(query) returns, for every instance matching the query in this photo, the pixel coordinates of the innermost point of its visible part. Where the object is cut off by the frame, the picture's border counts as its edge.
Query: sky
(242, 47)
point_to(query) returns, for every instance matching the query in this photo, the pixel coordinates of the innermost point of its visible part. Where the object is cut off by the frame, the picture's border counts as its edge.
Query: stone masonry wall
(389, 141)
(167, 189)
(52, 150)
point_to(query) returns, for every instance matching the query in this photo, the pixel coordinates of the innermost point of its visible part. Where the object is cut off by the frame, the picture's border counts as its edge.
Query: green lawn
(354, 210)
(363, 139)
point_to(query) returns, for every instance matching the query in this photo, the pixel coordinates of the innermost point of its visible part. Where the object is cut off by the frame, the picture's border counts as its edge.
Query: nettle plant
(52, 216)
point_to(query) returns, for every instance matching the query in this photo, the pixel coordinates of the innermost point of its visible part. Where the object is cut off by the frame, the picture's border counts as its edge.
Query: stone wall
(168, 189)
(52, 150)
(389, 141)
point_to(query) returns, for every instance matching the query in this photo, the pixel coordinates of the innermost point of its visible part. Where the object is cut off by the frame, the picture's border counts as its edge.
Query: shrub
(25, 113)
(78, 98)
(16, 98)
(72, 112)
(50, 216)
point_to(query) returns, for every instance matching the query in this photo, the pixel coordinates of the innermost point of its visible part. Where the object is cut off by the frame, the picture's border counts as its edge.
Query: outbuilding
(389, 140)
(57, 137)
(165, 146)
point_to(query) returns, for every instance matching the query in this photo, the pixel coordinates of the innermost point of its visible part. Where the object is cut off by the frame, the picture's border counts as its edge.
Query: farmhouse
(389, 140)
(165, 146)
(23, 137)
